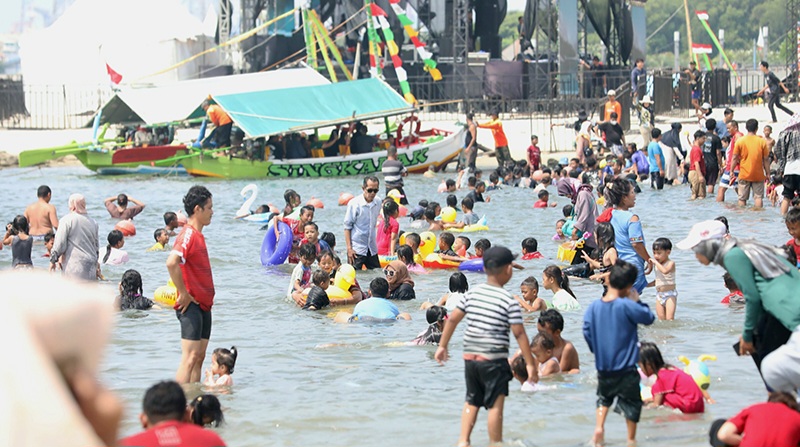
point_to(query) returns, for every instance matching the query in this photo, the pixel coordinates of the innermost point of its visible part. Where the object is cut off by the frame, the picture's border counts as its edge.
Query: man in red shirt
(164, 408)
(731, 173)
(534, 155)
(697, 166)
(190, 271)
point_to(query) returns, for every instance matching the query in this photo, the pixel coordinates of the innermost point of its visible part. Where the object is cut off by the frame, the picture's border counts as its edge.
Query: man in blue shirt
(655, 157)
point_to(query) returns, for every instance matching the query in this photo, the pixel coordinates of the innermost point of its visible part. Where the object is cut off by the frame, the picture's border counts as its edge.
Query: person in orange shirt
(222, 124)
(752, 156)
(500, 140)
(612, 106)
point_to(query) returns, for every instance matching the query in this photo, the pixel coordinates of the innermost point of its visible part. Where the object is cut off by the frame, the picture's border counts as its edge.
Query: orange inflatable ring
(413, 136)
(434, 261)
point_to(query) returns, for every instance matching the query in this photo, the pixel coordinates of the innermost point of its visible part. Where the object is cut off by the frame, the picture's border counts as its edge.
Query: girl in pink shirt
(673, 388)
(388, 228)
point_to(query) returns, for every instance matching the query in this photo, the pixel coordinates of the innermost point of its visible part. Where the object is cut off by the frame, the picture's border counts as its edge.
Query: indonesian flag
(701, 48)
(702, 15)
(116, 78)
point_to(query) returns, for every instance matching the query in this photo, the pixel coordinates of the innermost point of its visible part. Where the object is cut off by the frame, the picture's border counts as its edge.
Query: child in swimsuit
(406, 254)
(530, 301)
(530, 249)
(222, 363)
(542, 347)
(666, 295)
(559, 236)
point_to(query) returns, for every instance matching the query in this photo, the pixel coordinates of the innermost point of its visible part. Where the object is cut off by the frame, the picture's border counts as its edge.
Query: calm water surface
(302, 380)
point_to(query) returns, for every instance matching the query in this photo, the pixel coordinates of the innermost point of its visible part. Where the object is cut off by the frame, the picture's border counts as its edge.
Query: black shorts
(624, 386)
(791, 185)
(371, 261)
(195, 323)
(712, 175)
(486, 380)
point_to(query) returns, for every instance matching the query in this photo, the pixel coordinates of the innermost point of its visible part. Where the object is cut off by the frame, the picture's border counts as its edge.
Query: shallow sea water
(302, 380)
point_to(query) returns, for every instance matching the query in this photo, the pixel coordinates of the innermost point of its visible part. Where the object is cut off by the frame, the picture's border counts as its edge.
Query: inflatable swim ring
(480, 226)
(261, 218)
(333, 292)
(166, 295)
(345, 277)
(427, 244)
(385, 260)
(275, 252)
(448, 214)
(472, 265)
(434, 261)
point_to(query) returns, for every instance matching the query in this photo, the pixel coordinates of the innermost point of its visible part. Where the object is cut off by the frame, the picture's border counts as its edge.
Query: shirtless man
(42, 215)
(552, 322)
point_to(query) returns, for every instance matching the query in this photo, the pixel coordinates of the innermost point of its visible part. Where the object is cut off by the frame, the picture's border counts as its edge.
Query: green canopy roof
(272, 112)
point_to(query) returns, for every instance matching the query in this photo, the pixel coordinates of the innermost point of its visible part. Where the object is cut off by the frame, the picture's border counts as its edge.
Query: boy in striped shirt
(490, 311)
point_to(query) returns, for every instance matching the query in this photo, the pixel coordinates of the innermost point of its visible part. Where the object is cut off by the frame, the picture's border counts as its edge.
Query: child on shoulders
(616, 352)
(530, 301)
(673, 388)
(162, 240)
(222, 364)
(530, 249)
(301, 275)
(317, 298)
(735, 295)
(554, 280)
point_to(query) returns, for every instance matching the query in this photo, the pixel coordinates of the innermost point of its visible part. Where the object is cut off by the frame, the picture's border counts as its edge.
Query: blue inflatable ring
(472, 265)
(275, 252)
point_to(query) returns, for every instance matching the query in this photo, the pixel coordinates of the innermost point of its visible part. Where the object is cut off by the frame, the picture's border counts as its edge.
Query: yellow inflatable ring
(434, 261)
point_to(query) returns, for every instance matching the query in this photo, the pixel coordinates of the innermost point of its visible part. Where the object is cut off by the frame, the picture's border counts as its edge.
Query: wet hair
(472, 181)
(467, 203)
(650, 356)
(543, 194)
(605, 237)
(49, 237)
(164, 401)
(616, 189)
(288, 196)
(699, 134)
(544, 340)
(493, 177)
(751, 125)
(447, 238)
(551, 318)
(519, 367)
(730, 284)
(448, 183)
(530, 244)
(316, 298)
(561, 221)
(458, 283)
(131, 285)
(309, 223)
(196, 196)
(792, 216)
(567, 210)
(787, 399)
(559, 277)
(655, 133)
(158, 233)
(390, 208)
(662, 244)
(226, 357)
(530, 282)
(433, 206)
(483, 244)
(122, 199)
(429, 213)
(452, 200)
(43, 191)
(622, 275)
(370, 178)
(319, 277)
(465, 242)
(435, 314)
(406, 254)
(170, 217)
(413, 239)
(724, 220)
(307, 251)
(306, 209)
(205, 407)
(114, 238)
(711, 124)
(329, 239)
(379, 287)
(20, 224)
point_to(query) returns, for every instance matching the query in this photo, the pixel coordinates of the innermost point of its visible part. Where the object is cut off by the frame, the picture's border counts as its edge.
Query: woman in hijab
(772, 309)
(629, 238)
(673, 152)
(77, 243)
(584, 215)
(401, 286)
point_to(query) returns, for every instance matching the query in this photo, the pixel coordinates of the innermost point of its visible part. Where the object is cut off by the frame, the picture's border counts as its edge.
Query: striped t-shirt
(490, 312)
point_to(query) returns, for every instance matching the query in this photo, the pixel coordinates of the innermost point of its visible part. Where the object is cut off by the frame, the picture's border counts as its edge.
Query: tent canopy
(181, 100)
(265, 113)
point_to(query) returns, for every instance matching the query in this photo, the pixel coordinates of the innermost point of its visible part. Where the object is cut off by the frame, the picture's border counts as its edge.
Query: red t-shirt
(796, 248)
(534, 157)
(696, 155)
(384, 235)
(534, 255)
(680, 391)
(729, 152)
(174, 434)
(768, 424)
(540, 204)
(190, 245)
(737, 297)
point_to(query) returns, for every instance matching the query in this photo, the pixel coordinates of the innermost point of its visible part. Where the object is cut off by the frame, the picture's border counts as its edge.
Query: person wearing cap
(611, 106)
(647, 118)
(694, 82)
(772, 311)
(500, 140)
(775, 86)
(490, 312)
(393, 172)
(787, 156)
(222, 124)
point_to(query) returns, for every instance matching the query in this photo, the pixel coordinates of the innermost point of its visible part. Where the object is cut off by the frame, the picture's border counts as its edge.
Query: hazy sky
(516, 5)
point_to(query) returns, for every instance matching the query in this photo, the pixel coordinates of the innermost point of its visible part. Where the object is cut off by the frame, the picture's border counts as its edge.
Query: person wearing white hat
(772, 311)
(612, 105)
(647, 118)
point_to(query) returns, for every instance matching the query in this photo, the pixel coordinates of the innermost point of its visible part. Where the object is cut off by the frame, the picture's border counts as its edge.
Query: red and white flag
(116, 78)
(701, 48)
(702, 15)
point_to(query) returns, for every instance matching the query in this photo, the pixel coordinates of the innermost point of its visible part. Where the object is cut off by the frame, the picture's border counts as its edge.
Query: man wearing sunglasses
(359, 226)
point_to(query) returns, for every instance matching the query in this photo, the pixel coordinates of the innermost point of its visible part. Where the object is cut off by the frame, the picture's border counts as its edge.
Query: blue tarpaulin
(272, 112)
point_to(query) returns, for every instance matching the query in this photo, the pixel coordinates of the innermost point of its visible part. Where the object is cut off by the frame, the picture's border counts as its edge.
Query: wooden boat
(434, 147)
(153, 160)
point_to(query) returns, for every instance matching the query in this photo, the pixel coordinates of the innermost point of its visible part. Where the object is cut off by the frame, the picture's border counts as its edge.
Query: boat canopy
(180, 101)
(271, 112)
